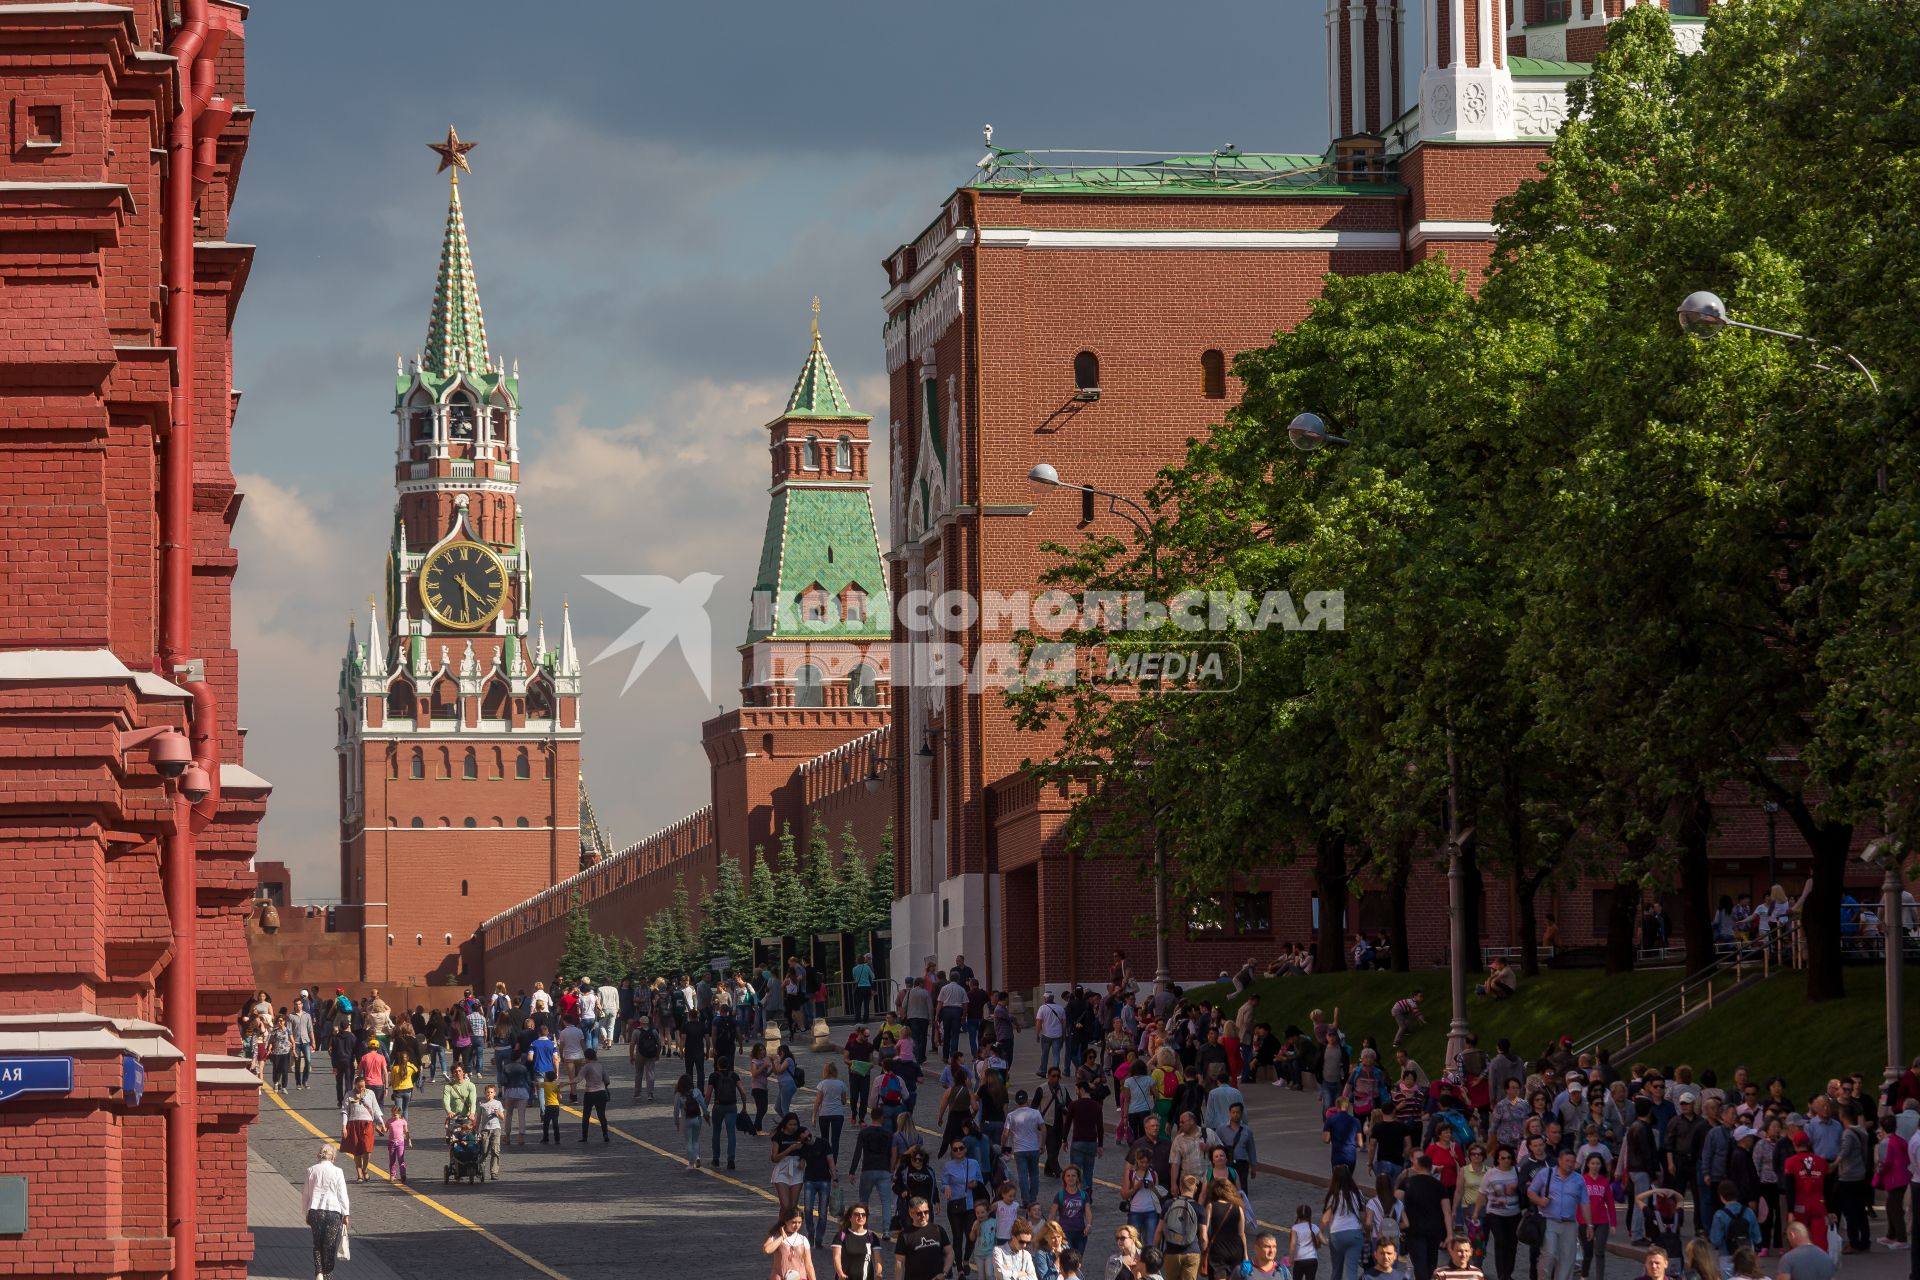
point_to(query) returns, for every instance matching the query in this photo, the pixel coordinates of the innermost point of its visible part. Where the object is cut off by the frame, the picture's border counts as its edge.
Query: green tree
(724, 923)
(879, 911)
(825, 902)
(852, 903)
(792, 903)
(762, 895)
(582, 952)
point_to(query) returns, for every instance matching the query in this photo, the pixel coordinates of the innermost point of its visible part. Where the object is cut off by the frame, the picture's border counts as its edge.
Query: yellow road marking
(425, 1199)
(681, 1160)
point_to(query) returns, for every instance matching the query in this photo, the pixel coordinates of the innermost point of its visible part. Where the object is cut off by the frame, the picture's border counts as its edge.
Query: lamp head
(1702, 313)
(1044, 473)
(1308, 431)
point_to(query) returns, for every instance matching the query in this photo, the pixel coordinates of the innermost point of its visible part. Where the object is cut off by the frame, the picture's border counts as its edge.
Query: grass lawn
(1546, 1008)
(1772, 1029)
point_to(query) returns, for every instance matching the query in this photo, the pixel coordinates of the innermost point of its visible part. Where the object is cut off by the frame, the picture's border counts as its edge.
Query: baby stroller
(464, 1153)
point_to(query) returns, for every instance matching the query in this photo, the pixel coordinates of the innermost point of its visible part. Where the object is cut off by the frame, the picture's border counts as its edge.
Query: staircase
(1739, 967)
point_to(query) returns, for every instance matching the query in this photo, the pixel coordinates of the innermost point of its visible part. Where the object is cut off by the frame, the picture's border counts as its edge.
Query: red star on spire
(453, 153)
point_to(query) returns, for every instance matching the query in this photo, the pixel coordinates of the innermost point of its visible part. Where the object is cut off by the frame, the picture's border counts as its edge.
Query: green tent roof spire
(817, 392)
(457, 333)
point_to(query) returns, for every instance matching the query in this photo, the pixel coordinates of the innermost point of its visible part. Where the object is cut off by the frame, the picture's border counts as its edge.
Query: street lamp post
(1703, 314)
(1308, 432)
(1044, 473)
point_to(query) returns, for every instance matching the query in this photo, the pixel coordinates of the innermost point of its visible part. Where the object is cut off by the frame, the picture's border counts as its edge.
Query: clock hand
(469, 590)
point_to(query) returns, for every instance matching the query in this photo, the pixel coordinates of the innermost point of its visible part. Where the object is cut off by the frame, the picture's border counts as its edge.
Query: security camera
(170, 754)
(195, 785)
(1880, 852)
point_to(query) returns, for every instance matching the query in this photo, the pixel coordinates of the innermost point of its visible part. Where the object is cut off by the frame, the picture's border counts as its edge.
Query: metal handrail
(1736, 960)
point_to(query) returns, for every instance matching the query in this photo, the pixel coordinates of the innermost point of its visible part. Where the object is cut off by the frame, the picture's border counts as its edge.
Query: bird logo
(675, 611)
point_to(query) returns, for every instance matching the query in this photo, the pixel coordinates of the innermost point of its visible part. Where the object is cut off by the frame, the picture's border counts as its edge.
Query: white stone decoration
(1688, 37)
(1540, 108)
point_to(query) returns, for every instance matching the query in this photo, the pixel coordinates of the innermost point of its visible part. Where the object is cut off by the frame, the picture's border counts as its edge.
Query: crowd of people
(926, 1147)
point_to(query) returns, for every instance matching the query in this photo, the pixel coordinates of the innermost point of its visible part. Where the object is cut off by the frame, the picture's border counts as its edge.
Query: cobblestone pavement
(584, 1211)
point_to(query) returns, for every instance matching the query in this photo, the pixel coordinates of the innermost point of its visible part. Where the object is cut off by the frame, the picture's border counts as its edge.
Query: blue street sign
(133, 1079)
(35, 1075)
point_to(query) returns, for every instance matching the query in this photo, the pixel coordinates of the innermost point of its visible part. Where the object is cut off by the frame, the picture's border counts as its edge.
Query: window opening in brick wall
(1086, 375)
(520, 769)
(808, 688)
(1213, 375)
(863, 690)
(470, 766)
(468, 822)
(463, 888)
(843, 454)
(43, 126)
(810, 453)
(1252, 914)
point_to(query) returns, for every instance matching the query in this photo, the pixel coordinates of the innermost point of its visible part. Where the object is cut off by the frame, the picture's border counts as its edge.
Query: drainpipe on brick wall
(978, 764)
(193, 47)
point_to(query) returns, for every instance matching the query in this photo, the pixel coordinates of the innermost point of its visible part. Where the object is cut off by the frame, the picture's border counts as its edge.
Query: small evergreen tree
(856, 885)
(762, 894)
(792, 912)
(723, 916)
(824, 902)
(880, 891)
(581, 953)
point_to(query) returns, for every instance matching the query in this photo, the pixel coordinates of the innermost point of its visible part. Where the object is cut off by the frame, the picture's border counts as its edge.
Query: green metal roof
(820, 537)
(457, 332)
(817, 392)
(1224, 172)
(1547, 67)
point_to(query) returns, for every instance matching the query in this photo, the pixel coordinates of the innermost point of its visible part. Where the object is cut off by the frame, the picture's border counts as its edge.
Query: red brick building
(1083, 311)
(130, 817)
(459, 723)
(808, 742)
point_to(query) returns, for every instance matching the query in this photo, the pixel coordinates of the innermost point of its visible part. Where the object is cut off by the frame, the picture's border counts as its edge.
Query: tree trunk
(1623, 918)
(1330, 879)
(1696, 891)
(1525, 889)
(1820, 916)
(1397, 873)
(1473, 894)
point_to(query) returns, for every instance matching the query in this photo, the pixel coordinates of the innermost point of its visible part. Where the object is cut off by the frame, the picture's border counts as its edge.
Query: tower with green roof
(459, 724)
(815, 662)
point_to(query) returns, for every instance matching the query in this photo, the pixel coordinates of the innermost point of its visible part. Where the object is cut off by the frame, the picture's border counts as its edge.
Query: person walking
(830, 1106)
(516, 1091)
(300, 1027)
(786, 1244)
(725, 1096)
(360, 1119)
(280, 1051)
(324, 1196)
(643, 1051)
(594, 1093)
(689, 1115)
(1560, 1194)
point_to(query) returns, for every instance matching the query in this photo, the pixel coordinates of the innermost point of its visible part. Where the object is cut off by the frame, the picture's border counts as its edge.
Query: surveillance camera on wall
(195, 785)
(171, 754)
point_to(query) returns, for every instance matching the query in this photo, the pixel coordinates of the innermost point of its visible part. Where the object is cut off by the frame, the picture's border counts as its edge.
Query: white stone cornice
(1420, 233)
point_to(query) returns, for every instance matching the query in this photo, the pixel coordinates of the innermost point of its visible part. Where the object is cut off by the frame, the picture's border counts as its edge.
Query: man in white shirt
(952, 1001)
(1022, 1137)
(300, 1026)
(609, 1013)
(1050, 1029)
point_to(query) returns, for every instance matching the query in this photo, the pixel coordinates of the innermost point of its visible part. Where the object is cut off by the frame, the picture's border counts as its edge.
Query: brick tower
(459, 726)
(815, 669)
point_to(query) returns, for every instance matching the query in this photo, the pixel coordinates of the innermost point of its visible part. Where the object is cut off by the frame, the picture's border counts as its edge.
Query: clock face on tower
(463, 585)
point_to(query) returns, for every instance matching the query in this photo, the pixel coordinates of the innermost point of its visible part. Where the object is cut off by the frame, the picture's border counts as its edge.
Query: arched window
(853, 606)
(419, 822)
(462, 417)
(446, 698)
(539, 700)
(843, 454)
(810, 453)
(808, 689)
(446, 763)
(400, 701)
(496, 821)
(393, 766)
(419, 764)
(862, 689)
(468, 822)
(1213, 375)
(1086, 374)
(497, 425)
(813, 604)
(519, 822)
(495, 701)
(470, 766)
(420, 420)
(520, 764)
(463, 888)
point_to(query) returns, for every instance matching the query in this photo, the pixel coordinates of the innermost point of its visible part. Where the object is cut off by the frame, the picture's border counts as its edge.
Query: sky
(658, 193)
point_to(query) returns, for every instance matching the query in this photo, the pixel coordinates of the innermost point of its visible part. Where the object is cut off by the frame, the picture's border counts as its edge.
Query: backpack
(1739, 1235)
(1182, 1223)
(892, 1089)
(647, 1042)
(799, 1075)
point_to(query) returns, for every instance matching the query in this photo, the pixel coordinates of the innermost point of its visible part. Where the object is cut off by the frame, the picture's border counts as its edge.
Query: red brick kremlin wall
(85, 386)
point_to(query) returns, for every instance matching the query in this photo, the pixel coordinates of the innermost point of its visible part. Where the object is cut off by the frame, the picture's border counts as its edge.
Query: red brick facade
(106, 661)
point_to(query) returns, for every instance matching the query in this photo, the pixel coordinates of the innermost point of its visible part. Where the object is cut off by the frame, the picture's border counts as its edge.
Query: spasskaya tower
(459, 727)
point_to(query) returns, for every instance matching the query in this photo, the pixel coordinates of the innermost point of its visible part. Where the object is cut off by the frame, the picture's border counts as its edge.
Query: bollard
(822, 1036)
(772, 1037)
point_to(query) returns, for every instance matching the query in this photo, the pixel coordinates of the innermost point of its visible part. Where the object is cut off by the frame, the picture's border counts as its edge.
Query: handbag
(346, 1245)
(1532, 1231)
